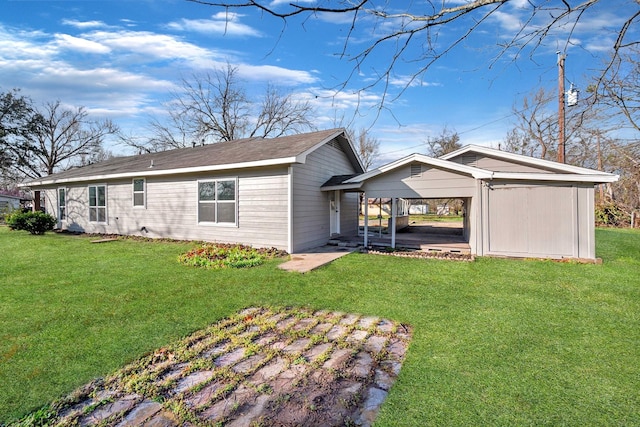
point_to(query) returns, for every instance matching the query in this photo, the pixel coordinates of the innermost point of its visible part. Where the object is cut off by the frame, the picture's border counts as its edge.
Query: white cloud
(151, 46)
(278, 75)
(83, 25)
(79, 44)
(221, 23)
(508, 21)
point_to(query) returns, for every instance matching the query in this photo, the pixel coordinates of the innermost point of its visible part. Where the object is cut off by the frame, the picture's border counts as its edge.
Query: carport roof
(421, 158)
(549, 171)
(561, 168)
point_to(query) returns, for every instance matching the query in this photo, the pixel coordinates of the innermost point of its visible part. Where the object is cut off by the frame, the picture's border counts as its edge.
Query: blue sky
(122, 58)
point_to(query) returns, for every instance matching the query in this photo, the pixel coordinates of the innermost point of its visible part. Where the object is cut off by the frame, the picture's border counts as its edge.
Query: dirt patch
(262, 366)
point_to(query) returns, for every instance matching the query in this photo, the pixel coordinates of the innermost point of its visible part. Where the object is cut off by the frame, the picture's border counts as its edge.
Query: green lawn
(496, 341)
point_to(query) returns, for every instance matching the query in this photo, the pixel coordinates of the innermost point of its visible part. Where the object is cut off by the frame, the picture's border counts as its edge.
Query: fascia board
(161, 172)
(595, 178)
(353, 186)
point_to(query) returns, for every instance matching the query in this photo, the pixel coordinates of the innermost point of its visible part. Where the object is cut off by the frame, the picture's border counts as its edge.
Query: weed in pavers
(356, 336)
(336, 332)
(367, 322)
(321, 328)
(262, 366)
(375, 344)
(338, 359)
(145, 410)
(229, 359)
(297, 346)
(349, 319)
(362, 365)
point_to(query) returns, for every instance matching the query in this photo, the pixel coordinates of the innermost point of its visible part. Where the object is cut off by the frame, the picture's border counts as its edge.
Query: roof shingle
(236, 152)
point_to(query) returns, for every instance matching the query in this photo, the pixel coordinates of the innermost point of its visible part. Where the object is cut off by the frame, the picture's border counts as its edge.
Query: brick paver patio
(260, 367)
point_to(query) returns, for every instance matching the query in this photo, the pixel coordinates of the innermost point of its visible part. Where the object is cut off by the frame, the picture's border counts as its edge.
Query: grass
(495, 342)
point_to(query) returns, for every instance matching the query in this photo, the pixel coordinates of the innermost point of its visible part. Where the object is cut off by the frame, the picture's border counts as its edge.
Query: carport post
(366, 220)
(393, 222)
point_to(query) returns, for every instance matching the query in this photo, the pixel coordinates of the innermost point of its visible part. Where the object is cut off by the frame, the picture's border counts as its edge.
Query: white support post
(366, 220)
(393, 222)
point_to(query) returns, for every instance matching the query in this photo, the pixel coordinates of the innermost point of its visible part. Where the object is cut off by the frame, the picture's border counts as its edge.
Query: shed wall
(537, 220)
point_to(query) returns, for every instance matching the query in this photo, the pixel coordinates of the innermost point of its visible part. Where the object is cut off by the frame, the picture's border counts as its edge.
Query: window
(98, 203)
(139, 192)
(217, 201)
(62, 204)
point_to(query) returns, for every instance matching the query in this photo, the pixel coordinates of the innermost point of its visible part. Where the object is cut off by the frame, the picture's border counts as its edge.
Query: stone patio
(260, 367)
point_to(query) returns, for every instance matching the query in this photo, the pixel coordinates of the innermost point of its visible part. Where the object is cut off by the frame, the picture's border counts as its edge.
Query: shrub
(33, 222)
(219, 255)
(610, 214)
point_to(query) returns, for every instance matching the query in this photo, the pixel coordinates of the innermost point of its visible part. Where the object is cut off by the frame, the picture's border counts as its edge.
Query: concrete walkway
(314, 258)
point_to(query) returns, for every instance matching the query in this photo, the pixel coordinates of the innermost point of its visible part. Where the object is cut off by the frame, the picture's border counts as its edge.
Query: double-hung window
(62, 204)
(98, 203)
(139, 189)
(217, 201)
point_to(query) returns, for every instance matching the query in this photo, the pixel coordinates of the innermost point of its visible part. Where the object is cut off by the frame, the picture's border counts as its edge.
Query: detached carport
(515, 205)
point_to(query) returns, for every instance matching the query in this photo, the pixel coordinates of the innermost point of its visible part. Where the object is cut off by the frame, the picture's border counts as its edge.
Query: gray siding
(430, 183)
(172, 206)
(310, 225)
(531, 220)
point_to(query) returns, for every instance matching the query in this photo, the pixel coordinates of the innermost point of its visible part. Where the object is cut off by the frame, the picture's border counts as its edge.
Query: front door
(334, 213)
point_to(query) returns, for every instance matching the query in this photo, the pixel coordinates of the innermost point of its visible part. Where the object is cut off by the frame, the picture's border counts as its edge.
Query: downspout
(366, 220)
(393, 222)
(290, 209)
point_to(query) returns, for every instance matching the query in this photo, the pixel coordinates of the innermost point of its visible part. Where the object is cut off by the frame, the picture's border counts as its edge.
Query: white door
(334, 213)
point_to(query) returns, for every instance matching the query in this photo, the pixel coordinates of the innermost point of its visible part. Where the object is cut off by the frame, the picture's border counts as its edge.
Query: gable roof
(559, 172)
(562, 168)
(241, 153)
(421, 158)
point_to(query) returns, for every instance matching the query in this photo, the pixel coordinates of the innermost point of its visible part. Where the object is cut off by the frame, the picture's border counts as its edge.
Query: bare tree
(367, 146)
(215, 107)
(421, 33)
(536, 130)
(281, 114)
(447, 142)
(63, 138)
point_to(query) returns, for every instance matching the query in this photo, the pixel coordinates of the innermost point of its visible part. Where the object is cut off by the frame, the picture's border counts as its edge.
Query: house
(514, 205)
(9, 203)
(296, 192)
(259, 192)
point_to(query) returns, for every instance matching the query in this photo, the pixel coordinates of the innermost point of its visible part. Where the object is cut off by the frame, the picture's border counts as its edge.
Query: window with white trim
(217, 201)
(62, 204)
(98, 203)
(139, 192)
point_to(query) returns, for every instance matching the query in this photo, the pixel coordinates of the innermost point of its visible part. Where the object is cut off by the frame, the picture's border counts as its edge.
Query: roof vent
(416, 171)
(151, 165)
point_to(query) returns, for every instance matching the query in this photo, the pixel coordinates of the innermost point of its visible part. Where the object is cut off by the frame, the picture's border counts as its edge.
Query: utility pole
(561, 120)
